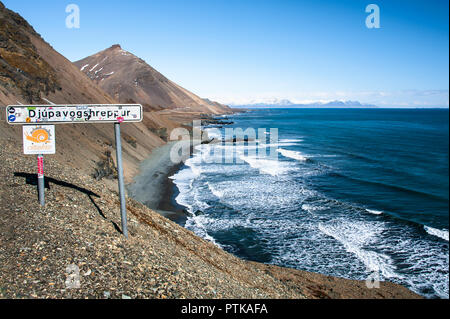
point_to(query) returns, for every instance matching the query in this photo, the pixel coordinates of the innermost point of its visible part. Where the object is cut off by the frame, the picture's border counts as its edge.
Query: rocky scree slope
(80, 226)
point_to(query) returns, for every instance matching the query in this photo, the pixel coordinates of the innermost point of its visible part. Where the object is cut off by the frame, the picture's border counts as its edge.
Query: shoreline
(168, 205)
(154, 188)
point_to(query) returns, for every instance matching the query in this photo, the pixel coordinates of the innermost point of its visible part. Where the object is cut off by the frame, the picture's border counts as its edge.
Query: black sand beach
(155, 189)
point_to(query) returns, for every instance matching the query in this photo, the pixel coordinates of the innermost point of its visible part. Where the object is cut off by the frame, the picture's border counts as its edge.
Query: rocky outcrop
(22, 69)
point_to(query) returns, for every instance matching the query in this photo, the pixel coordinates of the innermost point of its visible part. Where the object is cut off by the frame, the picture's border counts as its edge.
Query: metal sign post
(123, 208)
(39, 139)
(40, 178)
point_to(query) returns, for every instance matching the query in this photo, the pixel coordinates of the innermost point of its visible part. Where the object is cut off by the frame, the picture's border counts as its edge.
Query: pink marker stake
(40, 175)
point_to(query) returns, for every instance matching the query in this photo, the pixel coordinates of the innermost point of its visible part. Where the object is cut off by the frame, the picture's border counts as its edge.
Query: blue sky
(244, 51)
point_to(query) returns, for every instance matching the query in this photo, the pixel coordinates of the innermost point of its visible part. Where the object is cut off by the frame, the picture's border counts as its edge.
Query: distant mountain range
(284, 103)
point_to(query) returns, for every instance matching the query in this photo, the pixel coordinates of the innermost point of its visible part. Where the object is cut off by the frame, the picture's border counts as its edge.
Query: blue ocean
(352, 193)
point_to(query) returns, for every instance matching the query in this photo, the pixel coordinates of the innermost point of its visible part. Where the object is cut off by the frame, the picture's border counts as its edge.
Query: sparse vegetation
(22, 69)
(105, 167)
(130, 140)
(161, 132)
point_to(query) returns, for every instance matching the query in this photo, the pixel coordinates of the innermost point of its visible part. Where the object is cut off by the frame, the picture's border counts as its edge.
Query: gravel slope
(78, 227)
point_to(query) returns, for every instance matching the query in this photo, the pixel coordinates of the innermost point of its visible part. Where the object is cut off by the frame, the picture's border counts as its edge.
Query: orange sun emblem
(38, 136)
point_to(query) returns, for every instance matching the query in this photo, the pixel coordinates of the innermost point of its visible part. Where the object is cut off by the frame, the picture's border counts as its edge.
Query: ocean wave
(184, 176)
(278, 144)
(390, 186)
(184, 180)
(219, 194)
(310, 208)
(183, 200)
(443, 234)
(326, 155)
(214, 133)
(266, 166)
(287, 140)
(260, 192)
(199, 225)
(194, 164)
(293, 154)
(356, 237)
(198, 200)
(374, 212)
(427, 273)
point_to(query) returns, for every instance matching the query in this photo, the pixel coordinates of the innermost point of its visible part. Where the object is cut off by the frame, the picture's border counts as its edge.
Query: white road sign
(83, 113)
(39, 139)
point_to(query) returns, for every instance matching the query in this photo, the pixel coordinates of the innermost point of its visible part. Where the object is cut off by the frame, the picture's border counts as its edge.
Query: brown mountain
(130, 79)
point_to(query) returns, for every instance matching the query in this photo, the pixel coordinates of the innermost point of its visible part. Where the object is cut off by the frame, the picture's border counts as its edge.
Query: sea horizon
(342, 107)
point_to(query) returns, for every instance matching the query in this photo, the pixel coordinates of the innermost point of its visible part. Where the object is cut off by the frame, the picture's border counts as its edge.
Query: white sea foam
(215, 191)
(292, 154)
(278, 144)
(199, 225)
(287, 140)
(267, 166)
(184, 176)
(437, 232)
(357, 237)
(214, 133)
(374, 212)
(195, 165)
(311, 208)
(184, 179)
(199, 203)
(428, 270)
(259, 192)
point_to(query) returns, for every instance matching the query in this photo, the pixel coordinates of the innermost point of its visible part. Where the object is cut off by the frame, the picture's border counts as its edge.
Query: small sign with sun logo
(39, 139)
